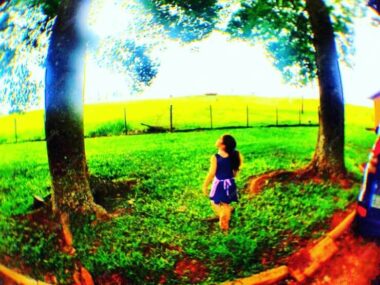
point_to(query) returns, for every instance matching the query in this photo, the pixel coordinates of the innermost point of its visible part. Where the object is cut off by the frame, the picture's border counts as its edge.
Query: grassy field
(188, 112)
(165, 210)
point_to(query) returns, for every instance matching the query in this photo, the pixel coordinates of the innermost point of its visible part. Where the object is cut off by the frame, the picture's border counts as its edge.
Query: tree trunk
(64, 112)
(329, 154)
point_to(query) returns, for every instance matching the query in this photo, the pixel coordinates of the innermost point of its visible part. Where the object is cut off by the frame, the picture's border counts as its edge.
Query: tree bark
(329, 154)
(64, 112)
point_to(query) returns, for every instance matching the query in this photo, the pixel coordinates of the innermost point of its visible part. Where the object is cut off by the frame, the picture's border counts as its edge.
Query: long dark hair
(230, 144)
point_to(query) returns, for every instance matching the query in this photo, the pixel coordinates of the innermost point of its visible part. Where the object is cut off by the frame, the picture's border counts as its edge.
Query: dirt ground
(356, 263)
(5, 281)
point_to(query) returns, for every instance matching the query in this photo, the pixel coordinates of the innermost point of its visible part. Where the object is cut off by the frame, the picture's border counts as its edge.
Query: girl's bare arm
(210, 175)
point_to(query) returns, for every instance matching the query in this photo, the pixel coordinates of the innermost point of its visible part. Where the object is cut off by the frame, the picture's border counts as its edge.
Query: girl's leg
(225, 216)
(216, 208)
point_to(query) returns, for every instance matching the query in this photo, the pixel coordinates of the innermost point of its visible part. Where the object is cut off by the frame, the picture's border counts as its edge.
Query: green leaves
(284, 28)
(186, 20)
(50, 7)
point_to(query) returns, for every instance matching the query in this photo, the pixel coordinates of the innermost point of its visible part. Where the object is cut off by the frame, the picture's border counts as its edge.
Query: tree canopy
(25, 28)
(284, 28)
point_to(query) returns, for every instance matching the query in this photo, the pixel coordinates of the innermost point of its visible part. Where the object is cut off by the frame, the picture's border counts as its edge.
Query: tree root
(100, 213)
(268, 178)
(310, 172)
(82, 276)
(66, 234)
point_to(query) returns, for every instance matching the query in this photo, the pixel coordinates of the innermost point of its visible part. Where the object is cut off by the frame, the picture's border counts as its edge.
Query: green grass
(165, 209)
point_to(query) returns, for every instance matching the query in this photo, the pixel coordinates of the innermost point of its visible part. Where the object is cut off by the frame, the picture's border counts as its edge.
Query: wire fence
(167, 116)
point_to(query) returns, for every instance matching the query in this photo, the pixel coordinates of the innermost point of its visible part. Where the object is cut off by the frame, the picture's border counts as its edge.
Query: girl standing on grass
(224, 166)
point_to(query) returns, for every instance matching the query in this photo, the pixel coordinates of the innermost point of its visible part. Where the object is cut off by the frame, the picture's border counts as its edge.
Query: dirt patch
(356, 262)
(193, 270)
(300, 260)
(339, 216)
(112, 278)
(110, 192)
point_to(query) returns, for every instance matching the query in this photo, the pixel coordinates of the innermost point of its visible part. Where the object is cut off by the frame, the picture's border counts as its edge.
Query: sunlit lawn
(164, 219)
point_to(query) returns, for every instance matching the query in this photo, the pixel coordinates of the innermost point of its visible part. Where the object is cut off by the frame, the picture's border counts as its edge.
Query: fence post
(302, 110)
(211, 116)
(247, 117)
(15, 125)
(125, 121)
(171, 117)
(276, 116)
(299, 118)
